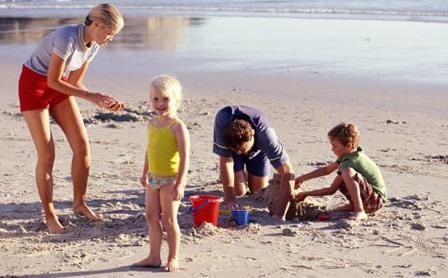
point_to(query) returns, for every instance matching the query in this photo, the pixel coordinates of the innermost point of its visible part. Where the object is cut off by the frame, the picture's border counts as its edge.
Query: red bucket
(205, 209)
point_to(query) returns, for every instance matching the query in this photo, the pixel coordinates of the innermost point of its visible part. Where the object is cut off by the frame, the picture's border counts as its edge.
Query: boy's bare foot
(172, 265)
(358, 216)
(84, 210)
(148, 262)
(53, 224)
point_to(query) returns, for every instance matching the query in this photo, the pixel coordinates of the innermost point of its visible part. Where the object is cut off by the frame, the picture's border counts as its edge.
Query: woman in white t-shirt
(50, 80)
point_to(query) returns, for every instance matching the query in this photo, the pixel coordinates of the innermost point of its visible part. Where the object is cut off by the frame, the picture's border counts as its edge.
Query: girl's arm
(74, 86)
(183, 144)
(316, 173)
(144, 176)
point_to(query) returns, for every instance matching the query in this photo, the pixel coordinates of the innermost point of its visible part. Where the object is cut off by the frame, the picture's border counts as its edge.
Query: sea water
(400, 40)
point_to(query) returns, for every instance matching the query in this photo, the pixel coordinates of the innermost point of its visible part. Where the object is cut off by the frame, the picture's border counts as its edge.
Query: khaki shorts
(157, 182)
(371, 200)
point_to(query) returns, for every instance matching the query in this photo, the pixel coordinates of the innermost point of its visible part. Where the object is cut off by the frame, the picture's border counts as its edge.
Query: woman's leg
(169, 218)
(39, 125)
(154, 229)
(68, 117)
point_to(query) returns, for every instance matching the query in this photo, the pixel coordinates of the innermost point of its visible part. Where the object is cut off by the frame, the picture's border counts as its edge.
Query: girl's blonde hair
(107, 14)
(345, 133)
(169, 85)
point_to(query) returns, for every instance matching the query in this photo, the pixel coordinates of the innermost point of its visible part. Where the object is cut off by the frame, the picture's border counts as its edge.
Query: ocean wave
(379, 10)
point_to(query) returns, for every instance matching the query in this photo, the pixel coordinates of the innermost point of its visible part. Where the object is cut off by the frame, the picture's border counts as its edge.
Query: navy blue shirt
(265, 138)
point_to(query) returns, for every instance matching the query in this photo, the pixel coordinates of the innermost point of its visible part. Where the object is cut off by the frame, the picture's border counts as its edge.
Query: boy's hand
(177, 193)
(298, 182)
(144, 180)
(299, 197)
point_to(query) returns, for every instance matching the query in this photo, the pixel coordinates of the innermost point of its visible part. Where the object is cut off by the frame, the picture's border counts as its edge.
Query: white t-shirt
(68, 43)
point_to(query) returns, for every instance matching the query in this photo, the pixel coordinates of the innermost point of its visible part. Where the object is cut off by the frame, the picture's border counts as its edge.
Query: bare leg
(69, 119)
(240, 184)
(286, 192)
(257, 183)
(355, 195)
(169, 217)
(346, 207)
(155, 229)
(39, 126)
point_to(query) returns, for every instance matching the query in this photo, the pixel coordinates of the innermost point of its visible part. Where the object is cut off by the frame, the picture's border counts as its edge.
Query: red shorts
(34, 92)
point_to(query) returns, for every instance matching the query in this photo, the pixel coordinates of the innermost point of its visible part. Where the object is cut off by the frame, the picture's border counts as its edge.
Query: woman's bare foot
(53, 224)
(148, 262)
(83, 209)
(172, 265)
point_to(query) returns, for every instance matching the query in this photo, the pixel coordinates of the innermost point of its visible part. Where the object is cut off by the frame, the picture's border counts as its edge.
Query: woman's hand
(117, 106)
(105, 101)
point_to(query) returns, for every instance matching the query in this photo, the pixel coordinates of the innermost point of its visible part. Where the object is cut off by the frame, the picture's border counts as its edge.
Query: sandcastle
(304, 210)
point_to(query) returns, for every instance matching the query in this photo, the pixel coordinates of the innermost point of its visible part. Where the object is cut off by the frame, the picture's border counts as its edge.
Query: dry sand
(404, 129)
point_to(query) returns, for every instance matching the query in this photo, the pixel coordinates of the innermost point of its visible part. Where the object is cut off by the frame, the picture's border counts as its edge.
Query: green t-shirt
(362, 164)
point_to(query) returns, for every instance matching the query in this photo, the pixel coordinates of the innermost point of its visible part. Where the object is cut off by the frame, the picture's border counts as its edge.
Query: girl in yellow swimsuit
(165, 170)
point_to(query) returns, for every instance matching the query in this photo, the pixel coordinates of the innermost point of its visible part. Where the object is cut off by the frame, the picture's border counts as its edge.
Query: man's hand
(230, 205)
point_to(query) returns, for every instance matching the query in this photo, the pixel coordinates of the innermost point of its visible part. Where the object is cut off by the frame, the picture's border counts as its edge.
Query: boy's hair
(236, 133)
(107, 14)
(170, 85)
(345, 133)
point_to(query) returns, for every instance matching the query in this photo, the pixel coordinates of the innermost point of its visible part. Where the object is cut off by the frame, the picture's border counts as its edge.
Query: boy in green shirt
(359, 178)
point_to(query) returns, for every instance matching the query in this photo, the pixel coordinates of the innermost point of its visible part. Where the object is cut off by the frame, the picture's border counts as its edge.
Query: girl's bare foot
(148, 262)
(83, 209)
(53, 224)
(172, 265)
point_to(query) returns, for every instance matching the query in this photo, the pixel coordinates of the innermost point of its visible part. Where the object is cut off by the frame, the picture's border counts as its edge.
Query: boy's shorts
(257, 165)
(371, 200)
(157, 182)
(34, 92)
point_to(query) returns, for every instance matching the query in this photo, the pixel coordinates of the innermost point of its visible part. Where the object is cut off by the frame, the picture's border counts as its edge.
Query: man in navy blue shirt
(243, 139)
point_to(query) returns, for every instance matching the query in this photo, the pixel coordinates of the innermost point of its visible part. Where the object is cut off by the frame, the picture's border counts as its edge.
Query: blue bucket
(241, 216)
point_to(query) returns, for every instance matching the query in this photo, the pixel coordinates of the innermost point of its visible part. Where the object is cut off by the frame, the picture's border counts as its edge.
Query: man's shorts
(371, 200)
(257, 165)
(34, 92)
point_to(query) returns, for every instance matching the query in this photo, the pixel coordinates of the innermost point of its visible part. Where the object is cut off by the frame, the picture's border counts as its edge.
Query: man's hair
(236, 133)
(345, 133)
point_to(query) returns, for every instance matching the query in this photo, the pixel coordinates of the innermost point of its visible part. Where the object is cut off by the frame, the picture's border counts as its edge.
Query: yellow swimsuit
(163, 154)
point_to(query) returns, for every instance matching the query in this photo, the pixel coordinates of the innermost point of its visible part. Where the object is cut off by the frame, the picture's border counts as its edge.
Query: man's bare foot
(54, 226)
(148, 262)
(87, 212)
(358, 216)
(172, 265)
